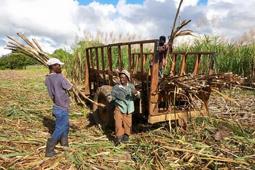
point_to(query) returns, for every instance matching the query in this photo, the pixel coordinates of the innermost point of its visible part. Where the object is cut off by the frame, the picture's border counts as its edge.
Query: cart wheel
(103, 115)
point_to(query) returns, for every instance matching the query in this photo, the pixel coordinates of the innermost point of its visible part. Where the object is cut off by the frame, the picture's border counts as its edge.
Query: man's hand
(166, 46)
(134, 91)
(162, 49)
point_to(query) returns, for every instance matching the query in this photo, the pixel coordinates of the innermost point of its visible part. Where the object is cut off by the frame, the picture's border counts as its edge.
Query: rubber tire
(103, 116)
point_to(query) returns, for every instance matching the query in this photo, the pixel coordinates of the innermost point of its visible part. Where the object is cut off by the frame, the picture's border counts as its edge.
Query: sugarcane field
(126, 84)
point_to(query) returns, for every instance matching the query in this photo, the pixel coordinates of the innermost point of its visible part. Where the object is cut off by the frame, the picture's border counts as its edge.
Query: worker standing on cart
(162, 52)
(162, 48)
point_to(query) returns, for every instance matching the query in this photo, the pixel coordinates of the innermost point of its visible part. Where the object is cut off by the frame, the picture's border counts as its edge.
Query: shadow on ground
(139, 125)
(50, 124)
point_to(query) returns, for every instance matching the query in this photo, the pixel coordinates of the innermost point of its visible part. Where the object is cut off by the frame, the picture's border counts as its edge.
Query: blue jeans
(62, 122)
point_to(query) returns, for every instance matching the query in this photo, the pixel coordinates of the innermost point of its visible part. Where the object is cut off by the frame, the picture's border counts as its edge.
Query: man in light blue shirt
(123, 96)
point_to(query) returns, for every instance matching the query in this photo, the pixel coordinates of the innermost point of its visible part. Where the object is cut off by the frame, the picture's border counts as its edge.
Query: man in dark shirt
(58, 86)
(162, 49)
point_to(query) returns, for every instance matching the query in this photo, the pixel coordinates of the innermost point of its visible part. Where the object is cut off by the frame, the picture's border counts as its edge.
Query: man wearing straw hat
(122, 96)
(58, 86)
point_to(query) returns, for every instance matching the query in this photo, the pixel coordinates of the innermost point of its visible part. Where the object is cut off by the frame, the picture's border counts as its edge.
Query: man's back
(57, 87)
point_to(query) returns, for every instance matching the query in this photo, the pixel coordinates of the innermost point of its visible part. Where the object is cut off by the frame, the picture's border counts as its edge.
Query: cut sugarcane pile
(192, 88)
(193, 84)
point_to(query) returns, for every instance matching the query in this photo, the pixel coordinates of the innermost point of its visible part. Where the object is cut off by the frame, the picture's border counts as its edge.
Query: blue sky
(201, 2)
(111, 1)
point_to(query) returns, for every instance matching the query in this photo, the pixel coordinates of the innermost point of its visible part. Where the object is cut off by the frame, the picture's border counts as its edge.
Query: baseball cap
(53, 61)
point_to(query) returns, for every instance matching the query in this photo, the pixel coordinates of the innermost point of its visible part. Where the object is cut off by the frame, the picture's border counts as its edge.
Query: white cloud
(47, 19)
(186, 3)
(58, 23)
(3, 51)
(231, 18)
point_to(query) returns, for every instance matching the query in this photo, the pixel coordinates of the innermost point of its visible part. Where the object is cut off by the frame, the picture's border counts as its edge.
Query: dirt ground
(225, 140)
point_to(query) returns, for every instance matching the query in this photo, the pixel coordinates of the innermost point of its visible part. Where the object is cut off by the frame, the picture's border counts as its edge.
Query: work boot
(125, 138)
(118, 140)
(64, 141)
(51, 143)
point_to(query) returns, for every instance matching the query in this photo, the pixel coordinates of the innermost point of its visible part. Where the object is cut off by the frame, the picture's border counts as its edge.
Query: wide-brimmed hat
(53, 61)
(126, 73)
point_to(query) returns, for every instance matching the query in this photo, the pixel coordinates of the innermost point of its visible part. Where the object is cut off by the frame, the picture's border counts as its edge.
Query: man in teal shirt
(123, 96)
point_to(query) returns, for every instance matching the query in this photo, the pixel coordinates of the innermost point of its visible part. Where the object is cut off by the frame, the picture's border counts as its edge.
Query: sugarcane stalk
(37, 45)
(26, 40)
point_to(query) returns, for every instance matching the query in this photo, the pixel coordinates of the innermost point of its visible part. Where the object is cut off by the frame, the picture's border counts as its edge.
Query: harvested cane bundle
(192, 87)
(33, 49)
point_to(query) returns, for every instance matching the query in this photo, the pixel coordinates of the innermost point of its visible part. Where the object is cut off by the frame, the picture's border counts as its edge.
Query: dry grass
(226, 140)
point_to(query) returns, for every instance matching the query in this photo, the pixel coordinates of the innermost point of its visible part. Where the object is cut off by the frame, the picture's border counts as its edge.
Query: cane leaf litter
(223, 140)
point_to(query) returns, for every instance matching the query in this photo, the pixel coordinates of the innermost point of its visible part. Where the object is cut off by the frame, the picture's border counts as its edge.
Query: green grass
(230, 57)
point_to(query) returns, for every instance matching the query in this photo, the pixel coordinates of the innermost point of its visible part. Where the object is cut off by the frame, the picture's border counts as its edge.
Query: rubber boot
(64, 141)
(118, 140)
(125, 138)
(51, 143)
